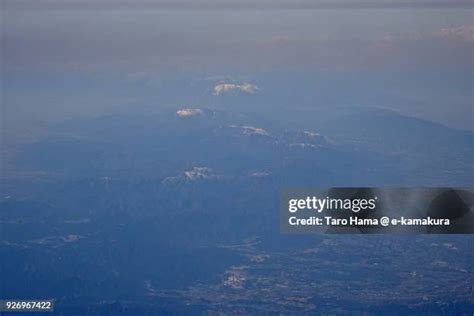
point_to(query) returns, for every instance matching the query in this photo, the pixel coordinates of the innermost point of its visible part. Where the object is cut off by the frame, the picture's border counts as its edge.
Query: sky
(233, 4)
(423, 49)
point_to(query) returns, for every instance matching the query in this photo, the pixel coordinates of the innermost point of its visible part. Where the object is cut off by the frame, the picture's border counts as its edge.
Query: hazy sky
(212, 4)
(210, 39)
(417, 40)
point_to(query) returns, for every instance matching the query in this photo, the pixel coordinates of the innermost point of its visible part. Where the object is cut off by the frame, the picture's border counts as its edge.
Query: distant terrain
(178, 211)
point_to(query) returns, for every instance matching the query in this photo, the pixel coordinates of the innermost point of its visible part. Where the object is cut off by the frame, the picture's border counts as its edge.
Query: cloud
(154, 43)
(230, 87)
(187, 112)
(464, 33)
